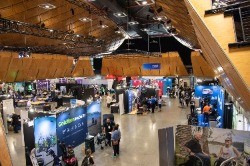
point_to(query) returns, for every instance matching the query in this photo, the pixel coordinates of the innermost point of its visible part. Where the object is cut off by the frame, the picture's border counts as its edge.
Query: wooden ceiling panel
(2, 75)
(177, 12)
(60, 18)
(22, 76)
(5, 58)
(11, 75)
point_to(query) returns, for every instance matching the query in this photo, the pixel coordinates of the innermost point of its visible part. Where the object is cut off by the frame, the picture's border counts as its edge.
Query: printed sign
(45, 137)
(207, 91)
(151, 66)
(130, 98)
(72, 126)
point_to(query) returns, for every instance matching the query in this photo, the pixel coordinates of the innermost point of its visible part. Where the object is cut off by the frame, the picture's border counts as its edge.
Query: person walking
(159, 103)
(88, 159)
(115, 137)
(192, 106)
(152, 103)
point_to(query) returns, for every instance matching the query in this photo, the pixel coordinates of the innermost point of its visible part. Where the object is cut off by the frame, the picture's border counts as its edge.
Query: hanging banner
(72, 126)
(94, 118)
(45, 137)
(130, 99)
(151, 66)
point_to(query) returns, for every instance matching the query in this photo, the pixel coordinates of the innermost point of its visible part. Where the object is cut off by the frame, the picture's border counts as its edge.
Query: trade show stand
(69, 125)
(214, 97)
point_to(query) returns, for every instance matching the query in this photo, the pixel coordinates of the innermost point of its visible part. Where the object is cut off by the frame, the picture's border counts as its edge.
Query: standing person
(187, 98)
(119, 136)
(227, 151)
(159, 103)
(152, 103)
(115, 137)
(194, 149)
(109, 99)
(206, 111)
(88, 159)
(15, 122)
(192, 106)
(107, 129)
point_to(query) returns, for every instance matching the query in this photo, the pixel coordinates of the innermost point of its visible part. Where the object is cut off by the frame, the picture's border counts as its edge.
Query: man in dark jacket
(194, 149)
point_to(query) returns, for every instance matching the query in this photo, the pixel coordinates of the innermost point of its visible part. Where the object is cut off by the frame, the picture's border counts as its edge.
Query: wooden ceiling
(122, 65)
(41, 66)
(64, 17)
(177, 12)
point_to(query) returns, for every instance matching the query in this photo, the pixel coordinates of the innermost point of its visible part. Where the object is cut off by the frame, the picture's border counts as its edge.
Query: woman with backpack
(88, 159)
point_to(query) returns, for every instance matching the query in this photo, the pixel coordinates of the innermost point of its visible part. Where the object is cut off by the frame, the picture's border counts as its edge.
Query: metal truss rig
(87, 7)
(11, 26)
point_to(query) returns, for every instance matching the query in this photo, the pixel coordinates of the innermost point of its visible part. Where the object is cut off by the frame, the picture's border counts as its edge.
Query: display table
(22, 103)
(66, 98)
(38, 103)
(114, 108)
(42, 99)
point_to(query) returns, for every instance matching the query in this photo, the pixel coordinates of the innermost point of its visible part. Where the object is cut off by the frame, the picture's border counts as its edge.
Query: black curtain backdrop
(29, 141)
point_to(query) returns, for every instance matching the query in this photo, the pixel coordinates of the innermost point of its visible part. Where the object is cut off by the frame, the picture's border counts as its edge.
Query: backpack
(85, 161)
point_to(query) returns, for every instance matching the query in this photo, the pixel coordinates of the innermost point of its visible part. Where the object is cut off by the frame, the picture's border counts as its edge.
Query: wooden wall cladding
(214, 32)
(5, 157)
(83, 68)
(122, 65)
(200, 67)
(38, 66)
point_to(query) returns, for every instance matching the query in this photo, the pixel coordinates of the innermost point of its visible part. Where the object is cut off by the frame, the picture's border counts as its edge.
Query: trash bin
(90, 143)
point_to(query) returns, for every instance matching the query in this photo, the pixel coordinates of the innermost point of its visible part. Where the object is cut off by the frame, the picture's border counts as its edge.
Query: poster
(45, 137)
(72, 126)
(130, 100)
(121, 104)
(94, 118)
(72, 103)
(212, 140)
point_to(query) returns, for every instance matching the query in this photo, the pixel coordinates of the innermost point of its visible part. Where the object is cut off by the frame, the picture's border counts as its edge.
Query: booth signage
(72, 126)
(130, 98)
(151, 66)
(94, 118)
(45, 137)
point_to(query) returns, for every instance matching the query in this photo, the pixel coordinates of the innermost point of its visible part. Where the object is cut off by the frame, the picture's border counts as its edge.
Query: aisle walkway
(139, 143)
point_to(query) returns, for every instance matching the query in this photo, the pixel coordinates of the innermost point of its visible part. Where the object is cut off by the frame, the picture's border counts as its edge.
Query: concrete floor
(139, 142)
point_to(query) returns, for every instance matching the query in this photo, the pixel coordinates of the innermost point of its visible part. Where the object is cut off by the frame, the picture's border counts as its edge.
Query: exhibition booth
(72, 126)
(221, 113)
(164, 85)
(175, 145)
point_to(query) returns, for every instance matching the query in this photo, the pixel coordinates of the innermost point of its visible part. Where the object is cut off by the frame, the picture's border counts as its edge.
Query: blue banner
(130, 99)
(94, 118)
(151, 66)
(72, 103)
(45, 137)
(72, 126)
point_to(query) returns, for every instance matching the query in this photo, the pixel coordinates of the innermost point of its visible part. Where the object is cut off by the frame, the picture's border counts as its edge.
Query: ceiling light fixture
(120, 14)
(145, 29)
(103, 26)
(159, 18)
(145, 2)
(47, 6)
(85, 19)
(133, 22)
